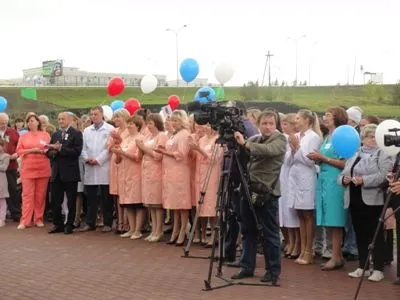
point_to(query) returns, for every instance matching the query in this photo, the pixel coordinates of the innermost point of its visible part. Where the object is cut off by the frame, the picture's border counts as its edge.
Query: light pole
(176, 32)
(296, 42)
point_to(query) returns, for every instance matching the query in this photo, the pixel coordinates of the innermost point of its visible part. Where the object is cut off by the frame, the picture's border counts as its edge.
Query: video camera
(223, 119)
(392, 140)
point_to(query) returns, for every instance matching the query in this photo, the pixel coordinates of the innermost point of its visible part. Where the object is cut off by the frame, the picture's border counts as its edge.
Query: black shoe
(234, 264)
(68, 230)
(268, 278)
(56, 229)
(242, 274)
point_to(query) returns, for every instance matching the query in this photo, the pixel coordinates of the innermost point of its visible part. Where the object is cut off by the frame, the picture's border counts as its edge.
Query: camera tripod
(226, 186)
(382, 220)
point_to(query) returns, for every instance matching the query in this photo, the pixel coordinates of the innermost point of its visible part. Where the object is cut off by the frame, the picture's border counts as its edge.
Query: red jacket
(11, 137)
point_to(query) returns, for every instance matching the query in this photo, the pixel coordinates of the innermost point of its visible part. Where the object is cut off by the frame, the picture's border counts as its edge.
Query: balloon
(189, 69)
(205, 94)
(132, 105)
(107, 112)
(3, 104)
(174, 101)
(219, 93)
(115, 86)
(224, 72)
(148, 84)
(117, 104)
(381, 130)
(346, 141)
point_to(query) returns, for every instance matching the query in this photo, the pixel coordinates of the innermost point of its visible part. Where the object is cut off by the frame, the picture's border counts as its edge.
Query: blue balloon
(346, 141)
(117, 104)
(189, 70)
(205, 94)
(3, 104)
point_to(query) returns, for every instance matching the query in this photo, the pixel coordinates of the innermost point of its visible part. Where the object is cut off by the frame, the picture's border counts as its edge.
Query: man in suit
(65, 148)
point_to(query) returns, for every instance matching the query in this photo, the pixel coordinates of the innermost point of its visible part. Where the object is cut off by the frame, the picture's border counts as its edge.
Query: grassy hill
(371, 98)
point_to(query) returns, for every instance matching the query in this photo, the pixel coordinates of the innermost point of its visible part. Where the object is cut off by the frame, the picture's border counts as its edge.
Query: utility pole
(267, 63)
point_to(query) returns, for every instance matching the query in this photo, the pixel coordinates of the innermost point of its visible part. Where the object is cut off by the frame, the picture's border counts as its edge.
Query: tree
(283, 83)
(276, 83)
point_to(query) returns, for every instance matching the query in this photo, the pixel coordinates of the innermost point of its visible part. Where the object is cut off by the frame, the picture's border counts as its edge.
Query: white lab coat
(288, 216)
(95, 147)
(303, 174)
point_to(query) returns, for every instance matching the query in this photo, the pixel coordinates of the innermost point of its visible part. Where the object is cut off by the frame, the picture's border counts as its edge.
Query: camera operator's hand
(395, 187)
(239, 138)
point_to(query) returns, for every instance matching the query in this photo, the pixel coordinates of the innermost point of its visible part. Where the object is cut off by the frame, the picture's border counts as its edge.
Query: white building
(77, 77)
(198, 82)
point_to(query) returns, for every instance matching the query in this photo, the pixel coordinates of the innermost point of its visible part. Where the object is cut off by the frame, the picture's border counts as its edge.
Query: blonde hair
(182, 116)
(254, 112)
(290, 118)
(122, 113)
(367, 130)
(313, 120)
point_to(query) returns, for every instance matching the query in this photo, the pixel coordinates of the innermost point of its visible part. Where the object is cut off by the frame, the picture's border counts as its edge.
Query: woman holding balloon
(176, 176)
(330, 210)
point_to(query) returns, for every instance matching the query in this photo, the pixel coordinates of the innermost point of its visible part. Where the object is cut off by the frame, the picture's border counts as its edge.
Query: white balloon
(107, 112)
(224, 72)
(382, 130)
(148, 84)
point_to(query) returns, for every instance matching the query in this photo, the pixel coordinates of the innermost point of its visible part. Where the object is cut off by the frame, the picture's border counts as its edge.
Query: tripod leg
(207, 282)
(191, 234)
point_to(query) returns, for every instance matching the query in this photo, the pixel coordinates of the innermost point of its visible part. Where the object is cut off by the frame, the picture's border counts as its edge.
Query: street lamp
(176, 31)
(296, 41)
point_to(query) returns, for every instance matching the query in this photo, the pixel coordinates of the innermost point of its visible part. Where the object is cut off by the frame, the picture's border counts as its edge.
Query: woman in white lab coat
(288, 218)
(303, 178)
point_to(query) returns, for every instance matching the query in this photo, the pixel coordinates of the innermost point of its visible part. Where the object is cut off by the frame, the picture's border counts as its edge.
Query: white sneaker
(358, 273)
(2, 223)
(376, 276)
(21, 226)
(126, 235)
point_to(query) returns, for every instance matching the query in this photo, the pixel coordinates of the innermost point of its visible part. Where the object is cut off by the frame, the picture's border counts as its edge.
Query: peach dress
(176, 173)
(207, 209)
(113, 165)
(193, 167)
(129, 176)
(152, 171)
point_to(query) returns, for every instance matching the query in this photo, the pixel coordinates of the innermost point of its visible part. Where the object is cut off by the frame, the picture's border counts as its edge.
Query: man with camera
(266, 153)
(395, 204)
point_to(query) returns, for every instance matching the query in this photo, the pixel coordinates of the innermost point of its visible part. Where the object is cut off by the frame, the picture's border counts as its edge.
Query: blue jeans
(268, 218)
(350, 243)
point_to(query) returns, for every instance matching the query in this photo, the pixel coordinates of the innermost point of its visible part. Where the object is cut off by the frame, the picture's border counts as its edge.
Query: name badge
(170, 142)
(150, 142)
(125, 148)
(328, 146)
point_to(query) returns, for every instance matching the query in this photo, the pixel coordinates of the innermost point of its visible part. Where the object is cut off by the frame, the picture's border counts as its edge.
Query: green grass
(315, 98)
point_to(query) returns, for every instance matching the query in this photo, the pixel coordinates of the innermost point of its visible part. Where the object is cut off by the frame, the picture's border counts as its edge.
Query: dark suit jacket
(65, 163)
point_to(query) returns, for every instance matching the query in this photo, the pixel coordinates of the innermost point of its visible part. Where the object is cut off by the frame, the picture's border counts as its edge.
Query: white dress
(303, 174)
(287, 216)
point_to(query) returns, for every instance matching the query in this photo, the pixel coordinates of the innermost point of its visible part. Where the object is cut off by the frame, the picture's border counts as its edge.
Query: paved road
(35, 265)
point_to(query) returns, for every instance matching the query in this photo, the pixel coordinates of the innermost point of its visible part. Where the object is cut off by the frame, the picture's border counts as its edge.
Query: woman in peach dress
(117, 136)
(143, 113)
(152, 174)
(169, 131)
(129, 159)
(204, 149)
(176, 176)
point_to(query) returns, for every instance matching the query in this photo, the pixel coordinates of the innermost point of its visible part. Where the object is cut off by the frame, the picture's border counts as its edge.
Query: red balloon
(132, 105)
(174, 101)
(115, 86)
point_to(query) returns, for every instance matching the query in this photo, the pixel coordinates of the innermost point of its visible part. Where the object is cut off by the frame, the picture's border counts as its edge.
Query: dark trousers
(58, 188)
(365, 220)
(233, 228)
(267, 215)
(398, 241)
(388, 245)
(14, 201)
(99, 195)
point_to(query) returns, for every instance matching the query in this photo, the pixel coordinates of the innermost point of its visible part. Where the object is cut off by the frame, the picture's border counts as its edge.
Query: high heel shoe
(172, 241)
(156, 239)
(179, 244)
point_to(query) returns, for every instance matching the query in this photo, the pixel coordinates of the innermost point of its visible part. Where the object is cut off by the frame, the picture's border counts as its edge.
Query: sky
(129, 36)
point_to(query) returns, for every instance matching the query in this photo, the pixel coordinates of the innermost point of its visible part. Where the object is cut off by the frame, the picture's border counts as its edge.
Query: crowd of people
(146, 171)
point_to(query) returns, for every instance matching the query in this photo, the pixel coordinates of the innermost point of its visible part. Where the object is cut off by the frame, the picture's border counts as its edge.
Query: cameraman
(395, 204)
(267, 153)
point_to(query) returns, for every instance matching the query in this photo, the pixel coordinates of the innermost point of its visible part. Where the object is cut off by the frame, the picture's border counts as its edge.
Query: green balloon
(219, 93)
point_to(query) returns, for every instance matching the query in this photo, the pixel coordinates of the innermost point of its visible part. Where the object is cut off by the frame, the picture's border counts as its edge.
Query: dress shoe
(269, 278)
(106, 229)
(242, 274)
(68, 230)
(56, 229)
(234, 264)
